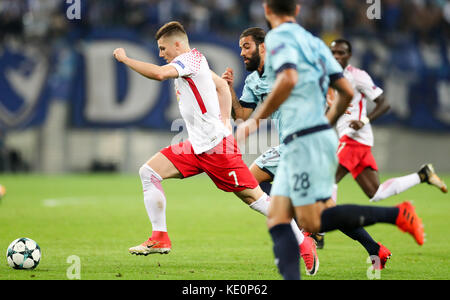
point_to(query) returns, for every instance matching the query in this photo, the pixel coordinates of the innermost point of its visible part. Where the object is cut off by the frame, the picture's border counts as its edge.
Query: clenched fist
(228, 75)
(120, 54)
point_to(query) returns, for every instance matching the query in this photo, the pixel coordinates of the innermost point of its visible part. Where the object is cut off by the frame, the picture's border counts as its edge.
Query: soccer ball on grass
(23, 253)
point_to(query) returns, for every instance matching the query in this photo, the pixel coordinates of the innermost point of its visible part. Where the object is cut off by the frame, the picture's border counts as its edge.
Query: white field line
(68, 201)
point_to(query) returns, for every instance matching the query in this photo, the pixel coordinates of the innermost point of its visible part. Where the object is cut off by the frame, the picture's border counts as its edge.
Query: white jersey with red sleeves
(364, 88)
(198, 101)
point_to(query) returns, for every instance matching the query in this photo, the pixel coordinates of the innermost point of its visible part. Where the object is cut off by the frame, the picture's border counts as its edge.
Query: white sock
(154, 198)
(298, 233)
(262, 205)
(395, 186)
(334, 193)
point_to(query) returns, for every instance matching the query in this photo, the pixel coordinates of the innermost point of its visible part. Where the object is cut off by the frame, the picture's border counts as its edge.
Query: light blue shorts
(306, 172)
(269, 160)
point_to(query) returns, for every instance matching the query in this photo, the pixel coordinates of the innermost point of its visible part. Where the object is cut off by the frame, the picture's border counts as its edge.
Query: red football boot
(408, 221)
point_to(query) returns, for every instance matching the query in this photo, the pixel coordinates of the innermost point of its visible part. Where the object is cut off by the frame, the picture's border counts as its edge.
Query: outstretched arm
(148, 70)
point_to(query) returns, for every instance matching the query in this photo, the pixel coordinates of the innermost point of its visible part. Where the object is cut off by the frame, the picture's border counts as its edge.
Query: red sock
(160, 236)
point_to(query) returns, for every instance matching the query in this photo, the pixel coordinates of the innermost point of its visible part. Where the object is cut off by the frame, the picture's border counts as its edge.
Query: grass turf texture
(214, 235)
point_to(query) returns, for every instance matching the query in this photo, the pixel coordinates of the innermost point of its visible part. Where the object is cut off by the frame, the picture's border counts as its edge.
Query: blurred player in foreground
(296, 65)
(256, 88)
(205, 105)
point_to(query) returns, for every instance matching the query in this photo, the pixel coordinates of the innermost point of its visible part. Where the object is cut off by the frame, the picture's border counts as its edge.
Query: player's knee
(311, 225)
(330, 203)
(371, 192)
(144, 172)
(274, 219)
(272, 222)
(271, 219)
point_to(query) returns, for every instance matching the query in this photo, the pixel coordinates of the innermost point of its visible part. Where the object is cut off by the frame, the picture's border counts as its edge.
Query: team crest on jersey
(22, 75)
(276, 49)
(179, 63)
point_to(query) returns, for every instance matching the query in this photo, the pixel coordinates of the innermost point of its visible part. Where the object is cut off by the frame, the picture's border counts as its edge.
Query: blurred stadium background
(67, 106)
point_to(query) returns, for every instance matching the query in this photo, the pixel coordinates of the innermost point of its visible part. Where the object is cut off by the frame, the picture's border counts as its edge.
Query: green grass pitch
(214, 235)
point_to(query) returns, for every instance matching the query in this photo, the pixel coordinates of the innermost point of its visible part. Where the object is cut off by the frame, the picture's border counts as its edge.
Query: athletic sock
(334, 193)
(349, 217)
(395, 186)
(154, 198)
(364, 238)
(262, 206)
(286, 252)
(266, 186)
(297, 232)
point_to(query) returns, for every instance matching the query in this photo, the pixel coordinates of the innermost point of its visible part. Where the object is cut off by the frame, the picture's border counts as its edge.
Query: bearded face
(252, 62)
(250, 53)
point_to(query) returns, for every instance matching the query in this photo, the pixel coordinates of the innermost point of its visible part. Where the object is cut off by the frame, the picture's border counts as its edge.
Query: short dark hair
(258, 34)
(282, 7)
(169, 29)
(343, 41)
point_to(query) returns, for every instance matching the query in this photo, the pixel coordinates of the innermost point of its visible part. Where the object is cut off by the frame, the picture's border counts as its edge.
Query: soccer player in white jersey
(205, 104)
(356, 137)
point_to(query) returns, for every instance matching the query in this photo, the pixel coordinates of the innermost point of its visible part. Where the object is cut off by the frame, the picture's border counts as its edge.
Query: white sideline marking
(53, 202)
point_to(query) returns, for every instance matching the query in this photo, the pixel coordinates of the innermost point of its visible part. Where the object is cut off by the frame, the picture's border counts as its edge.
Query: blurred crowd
(46, 19)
